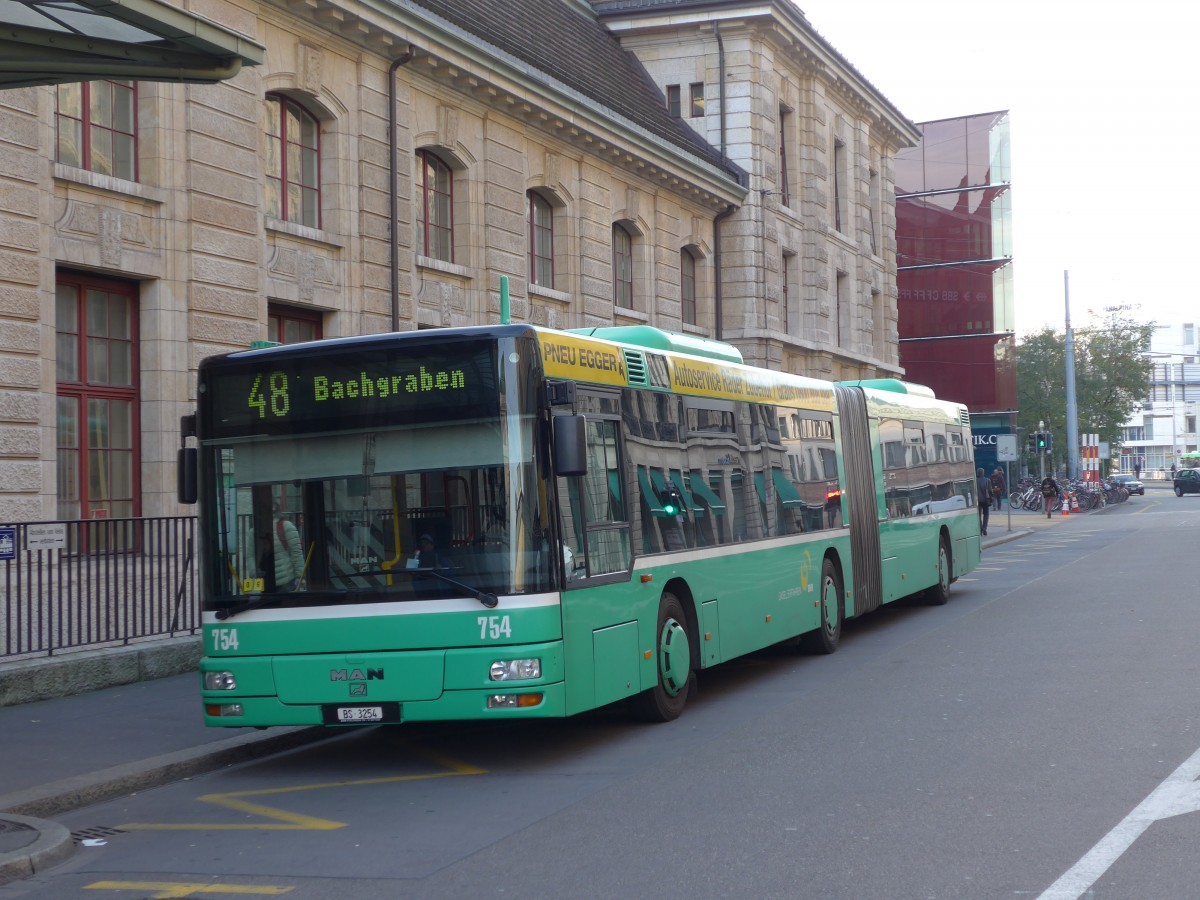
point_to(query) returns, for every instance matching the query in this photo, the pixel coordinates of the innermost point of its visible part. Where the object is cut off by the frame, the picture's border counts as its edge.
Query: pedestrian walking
(983, 486)
(999, 488)
(1050, 492)
(1137, 470)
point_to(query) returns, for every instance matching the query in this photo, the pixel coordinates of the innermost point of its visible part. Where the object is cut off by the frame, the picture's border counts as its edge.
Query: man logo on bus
(355, 675)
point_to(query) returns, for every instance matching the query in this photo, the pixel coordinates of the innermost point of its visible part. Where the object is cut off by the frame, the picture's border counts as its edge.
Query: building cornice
(785, 26)
(461, 62)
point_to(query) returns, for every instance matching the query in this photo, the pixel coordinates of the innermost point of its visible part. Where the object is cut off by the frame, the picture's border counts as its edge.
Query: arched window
(96, 127)
(622, 244)
(541, 240)
(435, 207)
(293, 162)
(687, 286)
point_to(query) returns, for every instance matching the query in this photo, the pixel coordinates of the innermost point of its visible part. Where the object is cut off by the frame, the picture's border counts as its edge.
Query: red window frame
(622, 242)
(286, 325)
(784, 124)
(293, 162)
(541, 240)
(92, 119)
(687, 286)
(435, 206)
(97, 374)
(839, 158)
(786, 312)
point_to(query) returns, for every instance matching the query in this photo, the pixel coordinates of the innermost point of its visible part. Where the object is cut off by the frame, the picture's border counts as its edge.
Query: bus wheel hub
(674, 657)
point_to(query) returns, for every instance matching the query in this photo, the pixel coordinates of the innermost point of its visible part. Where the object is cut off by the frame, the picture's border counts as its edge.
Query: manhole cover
(97, 832)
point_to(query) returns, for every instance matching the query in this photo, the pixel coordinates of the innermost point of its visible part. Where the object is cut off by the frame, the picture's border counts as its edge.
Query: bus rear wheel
(673, 662)
(939, 594)
(833, 611)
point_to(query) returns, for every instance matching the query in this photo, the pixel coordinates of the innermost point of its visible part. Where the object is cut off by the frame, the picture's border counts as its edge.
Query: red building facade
(954, 270)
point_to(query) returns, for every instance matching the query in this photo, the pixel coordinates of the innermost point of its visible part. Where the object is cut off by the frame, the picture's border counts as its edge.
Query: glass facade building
(954, 270)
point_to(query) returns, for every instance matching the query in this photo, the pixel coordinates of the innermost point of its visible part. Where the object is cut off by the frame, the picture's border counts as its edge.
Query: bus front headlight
(220, 681)
(516, 669)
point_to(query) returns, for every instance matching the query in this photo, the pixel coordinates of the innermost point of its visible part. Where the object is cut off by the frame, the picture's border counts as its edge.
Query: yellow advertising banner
(693, 376)
(568, 356)
(581, 359)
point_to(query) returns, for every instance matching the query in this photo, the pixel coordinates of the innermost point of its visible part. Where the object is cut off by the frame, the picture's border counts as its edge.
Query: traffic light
(1031, 442)
(1048, 439)
(672, 503)
(1041, 441)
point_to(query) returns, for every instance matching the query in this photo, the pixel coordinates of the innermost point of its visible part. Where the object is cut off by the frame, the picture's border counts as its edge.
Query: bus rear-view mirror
(570, 446)
(185, 475)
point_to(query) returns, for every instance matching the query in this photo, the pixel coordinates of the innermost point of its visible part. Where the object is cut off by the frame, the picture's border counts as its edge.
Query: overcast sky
(1104, 107)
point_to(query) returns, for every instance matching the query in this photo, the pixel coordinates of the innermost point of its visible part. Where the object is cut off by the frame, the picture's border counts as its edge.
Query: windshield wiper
(247, 605)
(487, 598)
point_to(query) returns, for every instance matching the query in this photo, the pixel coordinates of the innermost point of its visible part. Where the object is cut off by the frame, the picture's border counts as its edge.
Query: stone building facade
(534, 139)
(808, 280)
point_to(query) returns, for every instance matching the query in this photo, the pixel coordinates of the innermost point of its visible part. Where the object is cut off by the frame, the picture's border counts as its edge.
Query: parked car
(1130, 484)
(1187, 481)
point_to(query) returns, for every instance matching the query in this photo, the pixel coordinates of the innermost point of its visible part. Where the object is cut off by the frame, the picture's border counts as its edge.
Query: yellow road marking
(289, 821)
(171, 889)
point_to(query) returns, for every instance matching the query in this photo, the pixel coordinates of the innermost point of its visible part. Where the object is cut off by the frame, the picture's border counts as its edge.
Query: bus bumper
(380, 688)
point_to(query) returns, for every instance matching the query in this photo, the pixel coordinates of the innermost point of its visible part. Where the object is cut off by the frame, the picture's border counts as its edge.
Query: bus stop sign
(1006, 448)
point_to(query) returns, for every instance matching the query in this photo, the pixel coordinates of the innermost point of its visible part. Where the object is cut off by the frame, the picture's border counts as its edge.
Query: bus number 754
(494, 627)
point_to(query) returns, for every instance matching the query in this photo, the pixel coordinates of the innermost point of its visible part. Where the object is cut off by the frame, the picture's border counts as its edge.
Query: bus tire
(939, 594)
(826, 638)
(673, 664)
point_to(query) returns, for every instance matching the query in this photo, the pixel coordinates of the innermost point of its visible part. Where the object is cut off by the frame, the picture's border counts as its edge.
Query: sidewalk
(63, 754)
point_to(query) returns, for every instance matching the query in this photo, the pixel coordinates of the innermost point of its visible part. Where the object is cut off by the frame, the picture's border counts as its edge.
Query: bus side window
(595, 523)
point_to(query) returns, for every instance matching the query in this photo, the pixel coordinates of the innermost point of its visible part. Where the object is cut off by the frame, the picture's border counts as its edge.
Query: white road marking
(1177, 795)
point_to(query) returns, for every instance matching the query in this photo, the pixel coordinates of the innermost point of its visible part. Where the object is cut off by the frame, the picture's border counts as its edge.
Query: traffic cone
(1066, 504)
(1074, 501)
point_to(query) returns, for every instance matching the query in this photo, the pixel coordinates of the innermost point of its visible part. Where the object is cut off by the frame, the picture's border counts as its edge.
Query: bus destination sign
(337, 388)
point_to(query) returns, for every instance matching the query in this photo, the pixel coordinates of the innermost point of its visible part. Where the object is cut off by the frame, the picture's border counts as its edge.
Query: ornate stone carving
(310, 65)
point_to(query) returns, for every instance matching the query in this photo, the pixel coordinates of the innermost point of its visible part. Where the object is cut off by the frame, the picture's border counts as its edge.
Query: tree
(1112, 377)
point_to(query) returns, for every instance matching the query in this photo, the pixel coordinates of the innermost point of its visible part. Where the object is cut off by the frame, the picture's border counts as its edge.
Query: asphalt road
(1037, 737)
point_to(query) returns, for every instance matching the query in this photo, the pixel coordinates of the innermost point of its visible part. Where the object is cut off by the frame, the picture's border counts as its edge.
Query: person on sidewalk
(1050, 492)
(999, 488)
(983, 487)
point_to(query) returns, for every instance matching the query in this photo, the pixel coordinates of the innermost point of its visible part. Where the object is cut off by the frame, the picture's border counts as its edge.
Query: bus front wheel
(673, 664)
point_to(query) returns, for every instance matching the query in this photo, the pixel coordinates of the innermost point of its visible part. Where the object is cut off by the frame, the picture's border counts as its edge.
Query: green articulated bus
(515, 522)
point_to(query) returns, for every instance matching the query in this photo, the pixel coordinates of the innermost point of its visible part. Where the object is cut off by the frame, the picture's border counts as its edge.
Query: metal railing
(72, 585)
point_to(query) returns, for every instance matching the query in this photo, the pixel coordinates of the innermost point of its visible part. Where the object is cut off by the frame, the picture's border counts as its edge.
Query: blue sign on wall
(8, 543)
(985, 448)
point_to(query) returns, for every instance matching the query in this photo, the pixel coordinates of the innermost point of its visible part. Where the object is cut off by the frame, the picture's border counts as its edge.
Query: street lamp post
(1072, 408)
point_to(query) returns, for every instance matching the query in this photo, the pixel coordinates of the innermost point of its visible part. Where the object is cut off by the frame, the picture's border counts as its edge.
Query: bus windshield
(383, 508)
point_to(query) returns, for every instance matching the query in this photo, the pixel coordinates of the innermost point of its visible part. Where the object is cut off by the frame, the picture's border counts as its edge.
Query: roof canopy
(56, 41)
